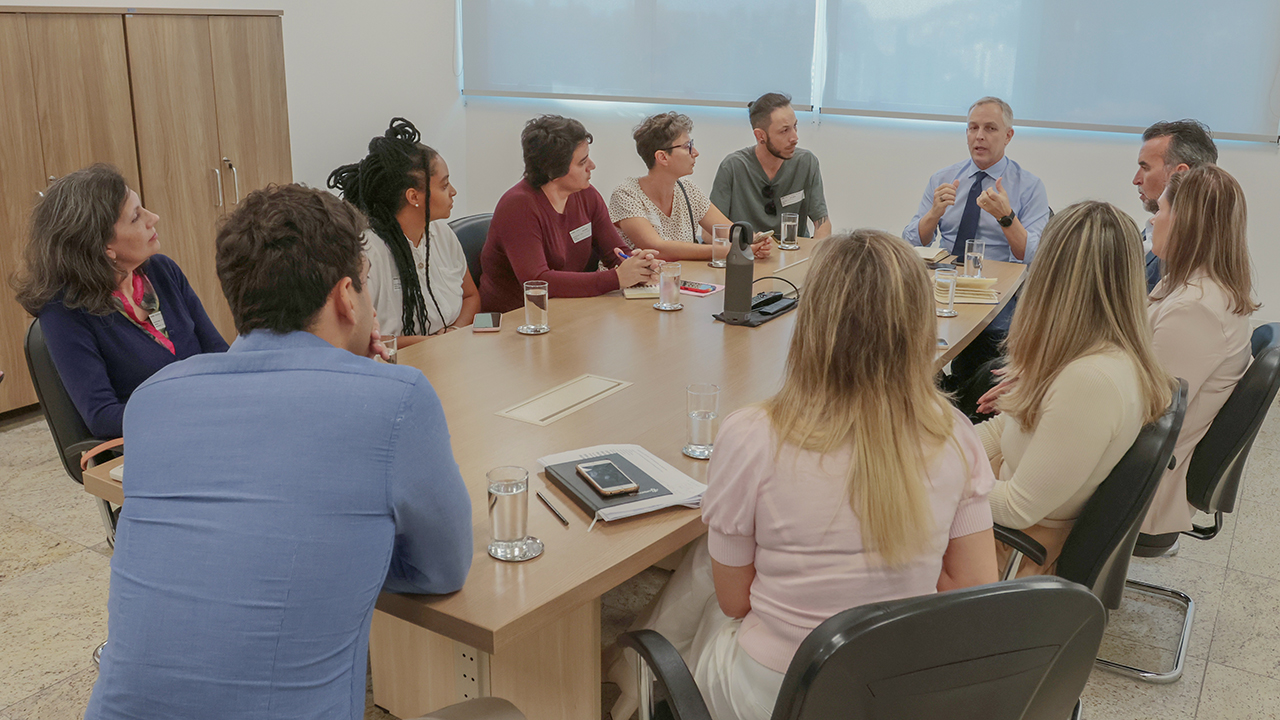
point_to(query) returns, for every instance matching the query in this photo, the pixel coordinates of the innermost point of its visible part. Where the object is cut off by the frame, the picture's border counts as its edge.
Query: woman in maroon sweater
(550, 224)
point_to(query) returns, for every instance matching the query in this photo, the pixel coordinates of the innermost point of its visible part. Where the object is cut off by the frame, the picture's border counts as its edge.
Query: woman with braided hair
(417, 271)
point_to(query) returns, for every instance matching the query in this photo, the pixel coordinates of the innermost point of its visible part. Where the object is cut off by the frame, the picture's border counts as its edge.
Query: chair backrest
(1216, 464)
(1016, 650)
(472, 231)
(64, 419)
(1096, 552)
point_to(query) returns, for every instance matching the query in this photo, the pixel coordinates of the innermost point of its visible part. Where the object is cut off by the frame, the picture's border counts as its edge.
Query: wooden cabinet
(81, 73)
(190, 107)
(21, 177)
(205, 142)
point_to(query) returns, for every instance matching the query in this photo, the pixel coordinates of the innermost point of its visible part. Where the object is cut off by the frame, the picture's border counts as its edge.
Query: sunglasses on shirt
(770, 207)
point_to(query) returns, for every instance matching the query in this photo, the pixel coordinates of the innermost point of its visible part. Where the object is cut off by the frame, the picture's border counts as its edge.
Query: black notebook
(566, 477)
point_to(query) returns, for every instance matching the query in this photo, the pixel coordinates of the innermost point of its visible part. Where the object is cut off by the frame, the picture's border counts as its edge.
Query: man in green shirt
(757, 184)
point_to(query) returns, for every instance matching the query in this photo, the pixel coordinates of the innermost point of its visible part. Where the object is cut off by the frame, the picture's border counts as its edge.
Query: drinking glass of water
(509, 538)
(704, 419)
(945, 280)
(790, 228)
(535, 308)
(974, 251)
(389, 342)
(719, 245)
(669, 287)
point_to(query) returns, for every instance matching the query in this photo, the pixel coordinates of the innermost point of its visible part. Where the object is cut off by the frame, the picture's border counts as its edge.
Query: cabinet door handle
(235, 178)
(51, 179)
(218, 177)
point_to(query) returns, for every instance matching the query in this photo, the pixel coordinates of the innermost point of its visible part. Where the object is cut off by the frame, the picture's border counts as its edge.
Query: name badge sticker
(793, 198)
(395, 283)
(580, 234)
(157, 320)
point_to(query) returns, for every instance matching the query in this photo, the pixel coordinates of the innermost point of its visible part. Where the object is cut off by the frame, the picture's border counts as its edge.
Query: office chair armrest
(1021, 542)
(89, 450)
(672, 674)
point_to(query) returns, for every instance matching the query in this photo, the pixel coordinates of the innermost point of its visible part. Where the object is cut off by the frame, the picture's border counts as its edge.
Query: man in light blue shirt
(274, 490)
(988, 197)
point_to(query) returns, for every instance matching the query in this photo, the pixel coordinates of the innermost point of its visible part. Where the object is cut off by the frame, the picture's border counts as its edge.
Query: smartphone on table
(487, 322)
(697, 286)
(607, 478)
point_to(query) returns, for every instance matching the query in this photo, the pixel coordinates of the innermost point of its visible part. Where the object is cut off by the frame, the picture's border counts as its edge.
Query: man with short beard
(1168, 148)
(758, 183)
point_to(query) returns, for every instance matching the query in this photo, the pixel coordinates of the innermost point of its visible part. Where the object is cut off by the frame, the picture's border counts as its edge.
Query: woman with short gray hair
(661, 210)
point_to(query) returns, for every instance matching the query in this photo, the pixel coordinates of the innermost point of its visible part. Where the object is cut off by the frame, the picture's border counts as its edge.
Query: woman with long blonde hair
(1200, 317)
(1087, 378)
(856, 483)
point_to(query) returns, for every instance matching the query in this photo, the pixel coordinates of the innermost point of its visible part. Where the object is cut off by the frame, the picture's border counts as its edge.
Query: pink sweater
(529, 240)
(790, 517)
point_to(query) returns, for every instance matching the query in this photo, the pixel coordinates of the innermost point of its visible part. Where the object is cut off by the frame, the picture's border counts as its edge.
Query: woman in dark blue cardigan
(112, 309)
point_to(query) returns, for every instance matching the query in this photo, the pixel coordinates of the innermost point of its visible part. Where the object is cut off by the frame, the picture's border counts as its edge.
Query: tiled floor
(54, 571)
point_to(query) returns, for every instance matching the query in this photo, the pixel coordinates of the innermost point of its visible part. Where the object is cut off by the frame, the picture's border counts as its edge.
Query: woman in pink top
(548, 226)
(1200, 316)
(856, 483)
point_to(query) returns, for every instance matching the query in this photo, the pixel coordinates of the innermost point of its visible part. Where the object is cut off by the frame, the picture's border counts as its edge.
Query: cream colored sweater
(1089, 417)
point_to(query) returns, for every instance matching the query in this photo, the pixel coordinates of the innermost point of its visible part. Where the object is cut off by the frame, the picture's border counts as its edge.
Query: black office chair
(1016, 650)
(472, 231)
(1097, 551)
(1219, 459)
(70, 435)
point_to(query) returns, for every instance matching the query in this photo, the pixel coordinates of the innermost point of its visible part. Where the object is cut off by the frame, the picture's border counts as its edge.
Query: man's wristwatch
(1007, 220)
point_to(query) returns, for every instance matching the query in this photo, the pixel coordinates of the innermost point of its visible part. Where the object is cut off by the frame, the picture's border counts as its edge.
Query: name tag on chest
(793, 198)
(157, 321)
(581, 233)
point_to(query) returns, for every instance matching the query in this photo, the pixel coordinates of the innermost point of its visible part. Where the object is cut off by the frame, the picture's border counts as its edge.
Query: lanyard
(147, 302)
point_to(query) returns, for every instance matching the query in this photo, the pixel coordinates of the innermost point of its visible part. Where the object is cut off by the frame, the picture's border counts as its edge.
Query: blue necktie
(969, 219)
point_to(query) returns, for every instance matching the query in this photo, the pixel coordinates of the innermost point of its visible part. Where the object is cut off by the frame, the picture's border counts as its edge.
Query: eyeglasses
(770, 207)
(687, 146)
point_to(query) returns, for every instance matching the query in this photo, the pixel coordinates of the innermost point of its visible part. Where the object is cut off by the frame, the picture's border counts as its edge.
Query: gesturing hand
(995, 200)
(944, 196)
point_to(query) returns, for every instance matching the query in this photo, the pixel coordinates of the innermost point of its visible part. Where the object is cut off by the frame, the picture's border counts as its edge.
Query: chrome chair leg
(644, 684)
(1184, 640)
(97, 655)
(109, 519)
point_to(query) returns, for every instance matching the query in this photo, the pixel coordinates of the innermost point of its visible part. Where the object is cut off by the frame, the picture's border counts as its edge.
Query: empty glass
(703, 403)
(535, 308)
(974, 252)
(945, 280)
(509, 538)
(790, 229)
(669, 287)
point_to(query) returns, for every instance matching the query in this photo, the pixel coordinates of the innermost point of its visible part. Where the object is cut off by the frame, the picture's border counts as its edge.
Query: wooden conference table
(530, 632)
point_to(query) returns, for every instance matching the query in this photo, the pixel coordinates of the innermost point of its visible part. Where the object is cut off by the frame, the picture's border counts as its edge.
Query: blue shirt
(271, 493)
(103, 358)
(1027, 198)
(1153, 262)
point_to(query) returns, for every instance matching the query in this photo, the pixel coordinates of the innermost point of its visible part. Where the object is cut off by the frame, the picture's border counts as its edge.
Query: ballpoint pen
(552, 508)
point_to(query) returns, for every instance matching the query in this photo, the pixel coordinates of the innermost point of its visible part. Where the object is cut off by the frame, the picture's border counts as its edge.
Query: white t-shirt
(629, 201)
(448, 266)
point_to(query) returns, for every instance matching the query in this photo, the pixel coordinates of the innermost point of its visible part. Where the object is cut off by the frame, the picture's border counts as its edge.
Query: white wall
(352, 66)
